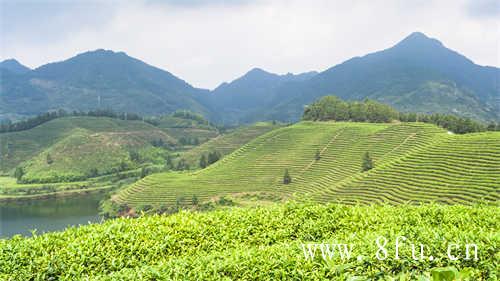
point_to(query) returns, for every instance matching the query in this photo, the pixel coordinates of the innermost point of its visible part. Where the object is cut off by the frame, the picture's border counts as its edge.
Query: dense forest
(334, 108)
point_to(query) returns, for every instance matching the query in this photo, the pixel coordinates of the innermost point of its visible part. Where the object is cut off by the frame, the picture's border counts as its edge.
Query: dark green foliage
(194, 200)
(317, 155)
(93, 173)
(158, 143)
(333, 108)
(19, 173)
(367, 162)
(123, 166)
(203, 161)
(168, 162)
(144, 208)
(184, 114)
(49, 159)
(144, 172)
(178, 202)
(213, 157)
(134, 156)
(287, 179)
(189, 141)
(182, 165)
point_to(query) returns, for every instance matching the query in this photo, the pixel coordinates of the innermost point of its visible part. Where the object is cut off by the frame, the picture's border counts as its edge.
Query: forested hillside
(418, 74)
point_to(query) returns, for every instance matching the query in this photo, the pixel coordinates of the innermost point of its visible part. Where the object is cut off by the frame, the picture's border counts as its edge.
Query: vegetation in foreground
(261, 244)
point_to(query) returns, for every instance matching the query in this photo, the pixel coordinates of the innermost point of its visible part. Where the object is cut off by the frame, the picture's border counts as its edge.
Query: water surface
(47, 214)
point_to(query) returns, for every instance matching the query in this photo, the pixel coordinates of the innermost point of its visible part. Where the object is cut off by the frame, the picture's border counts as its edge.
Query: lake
(48, 214)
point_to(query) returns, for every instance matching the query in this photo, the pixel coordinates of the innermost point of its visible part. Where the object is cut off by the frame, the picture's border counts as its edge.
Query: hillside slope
(227, 143)
(418, 74)
(76, 144)
(259, 166)
(97, 79)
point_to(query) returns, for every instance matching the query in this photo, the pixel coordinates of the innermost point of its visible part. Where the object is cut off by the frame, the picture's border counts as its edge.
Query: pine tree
(144, 172)
(318, 155)
(19, 173)
(287, 178)
(367, 162)
(194, 200)
(169, 164)
(203, 161)
(49, 159)
(93, 173)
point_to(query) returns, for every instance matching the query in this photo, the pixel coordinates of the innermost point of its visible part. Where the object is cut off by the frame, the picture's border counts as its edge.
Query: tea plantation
(413, 162)
(265, 244)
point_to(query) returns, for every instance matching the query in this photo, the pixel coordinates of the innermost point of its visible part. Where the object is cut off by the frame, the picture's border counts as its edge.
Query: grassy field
(265, 244)
(413, 162)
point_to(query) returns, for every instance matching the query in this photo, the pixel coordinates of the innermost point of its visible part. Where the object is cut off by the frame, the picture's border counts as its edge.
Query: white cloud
(207, 44)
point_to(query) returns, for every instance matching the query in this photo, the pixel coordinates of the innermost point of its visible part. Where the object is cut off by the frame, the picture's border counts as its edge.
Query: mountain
(97, 79)
(14, 66)
(418, 74)
(249, 93)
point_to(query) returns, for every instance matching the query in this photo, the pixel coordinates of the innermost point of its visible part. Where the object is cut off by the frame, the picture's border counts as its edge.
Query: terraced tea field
(413, 162)
(454, 169)
(227, 143)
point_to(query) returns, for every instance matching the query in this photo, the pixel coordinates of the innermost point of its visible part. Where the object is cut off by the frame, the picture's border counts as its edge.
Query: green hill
(76, 145)
(262, 244)
(471, 173)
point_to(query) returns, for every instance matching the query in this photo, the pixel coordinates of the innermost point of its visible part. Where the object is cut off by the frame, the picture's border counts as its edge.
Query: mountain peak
(419, 39)
(101, 52)
(258, 71)
(14, 66)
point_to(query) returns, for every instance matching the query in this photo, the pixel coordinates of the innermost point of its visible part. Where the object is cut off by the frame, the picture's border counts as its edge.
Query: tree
(194, 200)
(203, 161)
(93, 172)
(123, 166)
(134, 156)
(144, 172)
(49, 159)
(19, 173)
(169, 164)
(287, 178)
(318, 155)
(182, 165)
(367, 162)
(213, 157)
(178, 202)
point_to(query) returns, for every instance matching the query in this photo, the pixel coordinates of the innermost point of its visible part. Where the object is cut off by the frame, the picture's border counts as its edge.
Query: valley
(115, 169)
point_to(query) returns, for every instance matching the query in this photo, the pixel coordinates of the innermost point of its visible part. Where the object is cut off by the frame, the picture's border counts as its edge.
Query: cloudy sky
(208, 42)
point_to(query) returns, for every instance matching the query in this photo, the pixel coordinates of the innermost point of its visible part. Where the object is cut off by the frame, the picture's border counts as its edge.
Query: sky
(209, 42)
